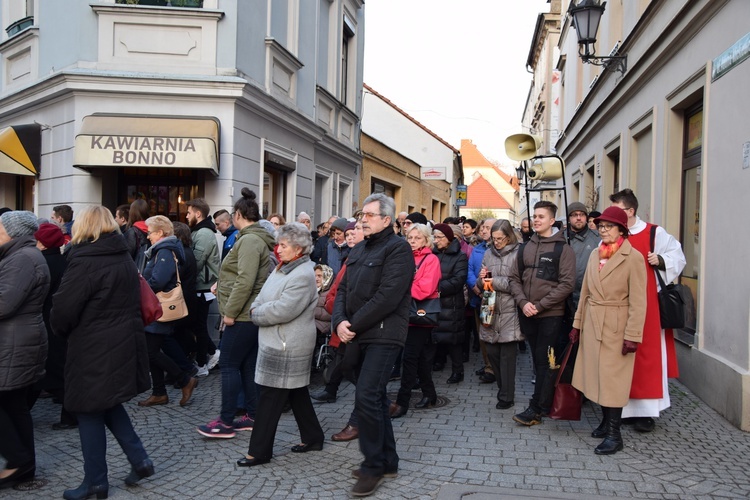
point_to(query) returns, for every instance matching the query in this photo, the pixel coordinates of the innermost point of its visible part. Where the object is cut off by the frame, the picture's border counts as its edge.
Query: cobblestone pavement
(465, 449)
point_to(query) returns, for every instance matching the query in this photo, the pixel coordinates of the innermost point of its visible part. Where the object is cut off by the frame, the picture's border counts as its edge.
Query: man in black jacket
(371, 313)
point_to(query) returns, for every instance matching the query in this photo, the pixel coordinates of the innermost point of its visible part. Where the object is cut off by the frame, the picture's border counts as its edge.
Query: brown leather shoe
(396, 411)
(347, 434)
(187, 391)
(154, 400)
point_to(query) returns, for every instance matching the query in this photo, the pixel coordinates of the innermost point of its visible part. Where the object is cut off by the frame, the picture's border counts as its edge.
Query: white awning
(148, 141)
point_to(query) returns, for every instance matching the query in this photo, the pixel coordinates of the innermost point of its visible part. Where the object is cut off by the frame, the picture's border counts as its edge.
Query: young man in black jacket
(371, 313)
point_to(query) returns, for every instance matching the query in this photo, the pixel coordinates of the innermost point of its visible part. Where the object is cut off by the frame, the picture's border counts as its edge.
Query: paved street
(465, 449)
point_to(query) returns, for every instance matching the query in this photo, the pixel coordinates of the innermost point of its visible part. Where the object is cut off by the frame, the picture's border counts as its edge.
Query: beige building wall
(381, 165)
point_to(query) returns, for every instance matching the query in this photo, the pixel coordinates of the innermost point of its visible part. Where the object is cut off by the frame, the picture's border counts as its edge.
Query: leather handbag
(150, 305)
(567, 401)
(676, 305)
(424, 312)
(173, 304)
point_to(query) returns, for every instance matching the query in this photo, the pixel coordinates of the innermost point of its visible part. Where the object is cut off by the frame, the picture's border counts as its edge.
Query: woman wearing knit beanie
(24, 281)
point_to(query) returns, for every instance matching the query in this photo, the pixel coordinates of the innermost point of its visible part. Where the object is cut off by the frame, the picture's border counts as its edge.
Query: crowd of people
(394, 296)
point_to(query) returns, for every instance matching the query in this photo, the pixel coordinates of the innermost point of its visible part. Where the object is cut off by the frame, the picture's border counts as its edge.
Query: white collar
(638, 226)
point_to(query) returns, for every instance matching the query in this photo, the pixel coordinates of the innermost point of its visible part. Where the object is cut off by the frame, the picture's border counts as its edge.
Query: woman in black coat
(454, 267)
(97, 308)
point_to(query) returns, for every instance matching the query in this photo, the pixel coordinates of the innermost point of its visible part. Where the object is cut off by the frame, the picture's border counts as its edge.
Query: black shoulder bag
(424, 312)
(675, 300)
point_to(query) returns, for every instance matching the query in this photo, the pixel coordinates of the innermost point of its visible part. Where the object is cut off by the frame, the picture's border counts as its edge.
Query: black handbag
(424, 312)
(676, 305)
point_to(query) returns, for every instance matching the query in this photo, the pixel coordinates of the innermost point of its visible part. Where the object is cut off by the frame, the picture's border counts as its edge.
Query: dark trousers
(16, 428)
(376, 440)
(199, 320)
(270, 406)
(172, 348)
(542, 334)
(238, 357)
(419, 354)
(91, 428)
(160, 363)
(502, 357)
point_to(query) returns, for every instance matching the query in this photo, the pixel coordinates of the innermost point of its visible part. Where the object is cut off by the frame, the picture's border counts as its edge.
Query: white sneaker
(202, 371)
(213, 360)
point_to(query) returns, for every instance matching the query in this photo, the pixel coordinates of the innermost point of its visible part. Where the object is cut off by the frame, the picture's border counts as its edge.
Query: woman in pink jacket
(419, 351)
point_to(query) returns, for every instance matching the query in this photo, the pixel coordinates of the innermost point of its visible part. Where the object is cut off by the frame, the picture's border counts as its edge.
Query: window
(165, 190)
(378, 186)
(345, 206)
(22, 13)
(279, 165)
(690, 236)
(345, 57)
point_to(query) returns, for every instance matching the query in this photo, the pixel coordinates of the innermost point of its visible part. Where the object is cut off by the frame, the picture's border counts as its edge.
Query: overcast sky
(457, 66)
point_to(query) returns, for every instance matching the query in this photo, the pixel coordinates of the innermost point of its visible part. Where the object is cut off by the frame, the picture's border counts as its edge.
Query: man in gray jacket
(583, 241)
(206, 250)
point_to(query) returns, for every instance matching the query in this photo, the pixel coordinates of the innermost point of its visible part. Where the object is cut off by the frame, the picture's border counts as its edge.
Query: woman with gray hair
(285, 312)
(24, 282)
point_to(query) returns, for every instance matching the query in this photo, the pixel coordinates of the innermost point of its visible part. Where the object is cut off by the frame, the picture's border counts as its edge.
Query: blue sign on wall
(461, 195)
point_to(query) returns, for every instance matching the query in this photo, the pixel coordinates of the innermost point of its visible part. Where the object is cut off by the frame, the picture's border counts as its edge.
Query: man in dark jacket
(371, 313)
(540, 288)
(223, 222)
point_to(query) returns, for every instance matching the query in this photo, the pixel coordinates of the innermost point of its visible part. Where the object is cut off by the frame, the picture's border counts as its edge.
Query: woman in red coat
(419, 351)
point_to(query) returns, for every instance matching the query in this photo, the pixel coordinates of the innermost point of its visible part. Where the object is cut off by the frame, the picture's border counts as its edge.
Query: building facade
(169, 101)
(671, 127)
(405, 160)
(490, 191)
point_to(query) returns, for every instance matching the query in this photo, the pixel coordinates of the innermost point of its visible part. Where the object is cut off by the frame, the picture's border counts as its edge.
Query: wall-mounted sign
(461, 195)
(432, 173)
(730, 58)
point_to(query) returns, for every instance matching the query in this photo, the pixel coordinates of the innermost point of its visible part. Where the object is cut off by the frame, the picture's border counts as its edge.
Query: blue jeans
(376, 441)
(94, 441)
(239, 353)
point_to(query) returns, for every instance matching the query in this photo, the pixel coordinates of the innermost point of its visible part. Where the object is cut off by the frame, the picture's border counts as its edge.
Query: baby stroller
(324, 361)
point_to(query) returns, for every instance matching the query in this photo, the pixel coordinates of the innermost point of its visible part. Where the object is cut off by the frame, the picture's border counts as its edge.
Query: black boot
(601, 431)
(613, 442)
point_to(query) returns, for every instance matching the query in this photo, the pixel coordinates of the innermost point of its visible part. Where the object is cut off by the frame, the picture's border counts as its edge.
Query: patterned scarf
(607, 250)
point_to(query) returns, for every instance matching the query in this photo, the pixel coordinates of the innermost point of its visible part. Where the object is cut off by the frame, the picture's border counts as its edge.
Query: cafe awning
(21, 149)
(120, 141)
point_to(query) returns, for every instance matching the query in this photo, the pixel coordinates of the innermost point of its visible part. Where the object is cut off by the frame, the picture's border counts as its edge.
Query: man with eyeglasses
(583, 241)
(412, 218)
(540, 285)
(656, 360)
(371, 313)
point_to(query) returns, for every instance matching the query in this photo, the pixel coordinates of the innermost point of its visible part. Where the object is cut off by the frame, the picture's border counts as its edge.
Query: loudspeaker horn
(521, 147)
(546, 169)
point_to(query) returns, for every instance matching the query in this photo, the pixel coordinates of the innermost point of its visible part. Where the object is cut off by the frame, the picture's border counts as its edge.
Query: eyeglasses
(407, 223)
(499, 240)
(370, 215)
(438, 236)
(605, 227)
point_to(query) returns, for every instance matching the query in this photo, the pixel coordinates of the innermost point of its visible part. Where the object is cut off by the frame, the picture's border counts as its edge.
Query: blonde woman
(97, 309)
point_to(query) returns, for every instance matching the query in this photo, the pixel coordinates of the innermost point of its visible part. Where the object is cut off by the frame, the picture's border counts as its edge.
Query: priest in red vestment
(655, 360)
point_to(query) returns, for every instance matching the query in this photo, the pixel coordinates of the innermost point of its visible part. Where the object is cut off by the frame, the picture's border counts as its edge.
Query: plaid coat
(285, 312)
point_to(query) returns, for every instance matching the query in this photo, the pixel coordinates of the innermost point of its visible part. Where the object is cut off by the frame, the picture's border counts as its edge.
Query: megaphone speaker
(521, 147)
(546, 169)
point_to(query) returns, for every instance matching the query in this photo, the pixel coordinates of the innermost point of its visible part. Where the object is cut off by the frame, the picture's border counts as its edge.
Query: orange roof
(471, 157)
(481, 194)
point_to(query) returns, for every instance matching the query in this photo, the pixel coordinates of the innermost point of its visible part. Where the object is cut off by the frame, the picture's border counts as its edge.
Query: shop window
(165, 190)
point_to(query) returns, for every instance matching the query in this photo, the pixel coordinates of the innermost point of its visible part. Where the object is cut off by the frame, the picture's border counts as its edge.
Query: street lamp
(586, 16)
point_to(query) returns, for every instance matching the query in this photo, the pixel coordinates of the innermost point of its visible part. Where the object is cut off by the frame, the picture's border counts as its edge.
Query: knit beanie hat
(50, 235)
(417, 218)
(19, 223)
(446, 230)
(577, 206)
(340, 224)
(350, 226)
